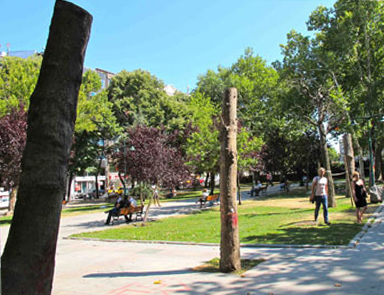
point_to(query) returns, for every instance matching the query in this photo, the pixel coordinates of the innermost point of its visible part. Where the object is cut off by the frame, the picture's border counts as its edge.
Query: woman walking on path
(320, 194)
(156, 195)
(359, 196)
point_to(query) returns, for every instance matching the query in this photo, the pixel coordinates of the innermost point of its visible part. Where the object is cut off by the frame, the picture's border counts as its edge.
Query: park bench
(211, 199)
(285, 186)
(262, 190)
(125, 211)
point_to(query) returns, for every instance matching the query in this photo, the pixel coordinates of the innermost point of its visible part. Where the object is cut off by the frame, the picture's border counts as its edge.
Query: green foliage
(352, 31)
(95, 123)
(139, 98)
(94, 111)
(334, 157)
(257, 86)
(247, 146)
(203, 146)
(18, 78)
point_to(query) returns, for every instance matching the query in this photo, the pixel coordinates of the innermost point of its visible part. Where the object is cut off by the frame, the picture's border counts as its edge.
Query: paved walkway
(119, 268)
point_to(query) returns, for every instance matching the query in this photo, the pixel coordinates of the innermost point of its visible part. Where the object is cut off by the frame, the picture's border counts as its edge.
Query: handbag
(312, 198)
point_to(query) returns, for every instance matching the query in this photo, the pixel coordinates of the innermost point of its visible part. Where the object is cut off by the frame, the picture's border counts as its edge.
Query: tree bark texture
(327, 166)
(238, 188)
(230, 246)
(29, 256)
(349, 159)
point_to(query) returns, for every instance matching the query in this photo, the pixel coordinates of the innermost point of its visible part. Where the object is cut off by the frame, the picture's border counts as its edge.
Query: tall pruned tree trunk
(349, 159)
(147, 209)
(229, 246)
(122, 180)
(12, 200)
(69, 186)
(206, 180)
(327, 165)
(29, 256)
(361, 157)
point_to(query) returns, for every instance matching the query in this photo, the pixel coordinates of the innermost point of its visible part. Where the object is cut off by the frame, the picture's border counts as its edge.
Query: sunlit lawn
(280, 219)
(78, 210)
(184, 195)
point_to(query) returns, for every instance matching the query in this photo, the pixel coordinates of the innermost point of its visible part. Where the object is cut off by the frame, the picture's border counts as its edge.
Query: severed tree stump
(230, 245)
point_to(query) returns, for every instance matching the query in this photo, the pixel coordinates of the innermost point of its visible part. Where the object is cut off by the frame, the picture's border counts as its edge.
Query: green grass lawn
(280, 219)
(184, 195)
(86, 209)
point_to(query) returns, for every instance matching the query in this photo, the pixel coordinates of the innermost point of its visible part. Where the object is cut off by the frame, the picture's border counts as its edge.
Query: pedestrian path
(95, 267)
(119, 268)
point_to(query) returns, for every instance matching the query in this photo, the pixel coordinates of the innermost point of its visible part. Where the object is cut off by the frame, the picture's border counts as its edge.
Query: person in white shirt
(132, 201)
(203, 197)
(320, 194)
(156, 195)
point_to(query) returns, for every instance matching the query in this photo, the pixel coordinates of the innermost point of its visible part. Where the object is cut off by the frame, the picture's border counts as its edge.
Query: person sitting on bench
(132, 202)
(257, 188)
(120, 203)
(203, 197)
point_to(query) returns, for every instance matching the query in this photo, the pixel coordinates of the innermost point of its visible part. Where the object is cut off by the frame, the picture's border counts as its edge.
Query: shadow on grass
(335, 234)
(6, 221)
(293, 211)
(297, 193)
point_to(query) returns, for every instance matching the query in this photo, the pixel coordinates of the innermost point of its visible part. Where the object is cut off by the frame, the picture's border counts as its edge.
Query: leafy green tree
(212, 85)
(18, 78)
(352, 31)
(257, 85)
(315, 95)
(247, 148)
(95, 125)
(203, 147)
(139, 98)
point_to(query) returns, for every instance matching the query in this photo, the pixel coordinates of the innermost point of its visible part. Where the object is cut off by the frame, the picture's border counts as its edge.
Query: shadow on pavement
(138, 274)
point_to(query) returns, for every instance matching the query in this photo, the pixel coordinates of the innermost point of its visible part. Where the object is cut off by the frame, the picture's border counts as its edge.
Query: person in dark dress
(359, 192)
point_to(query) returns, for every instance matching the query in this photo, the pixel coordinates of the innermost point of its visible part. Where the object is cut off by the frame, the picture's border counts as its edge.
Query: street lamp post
(371, 173)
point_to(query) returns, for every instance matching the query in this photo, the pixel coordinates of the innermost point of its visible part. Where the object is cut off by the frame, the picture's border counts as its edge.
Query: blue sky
(174, 40)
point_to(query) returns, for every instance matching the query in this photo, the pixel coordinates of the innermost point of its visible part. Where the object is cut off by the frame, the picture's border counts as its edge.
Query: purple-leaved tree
(13, 135)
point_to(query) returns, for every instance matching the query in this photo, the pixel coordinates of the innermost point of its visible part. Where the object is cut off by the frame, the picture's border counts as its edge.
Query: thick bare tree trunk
(230, 246)
(29, 256)
(349, 159)
(361, 157)
(212, 182)
(327, 166)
